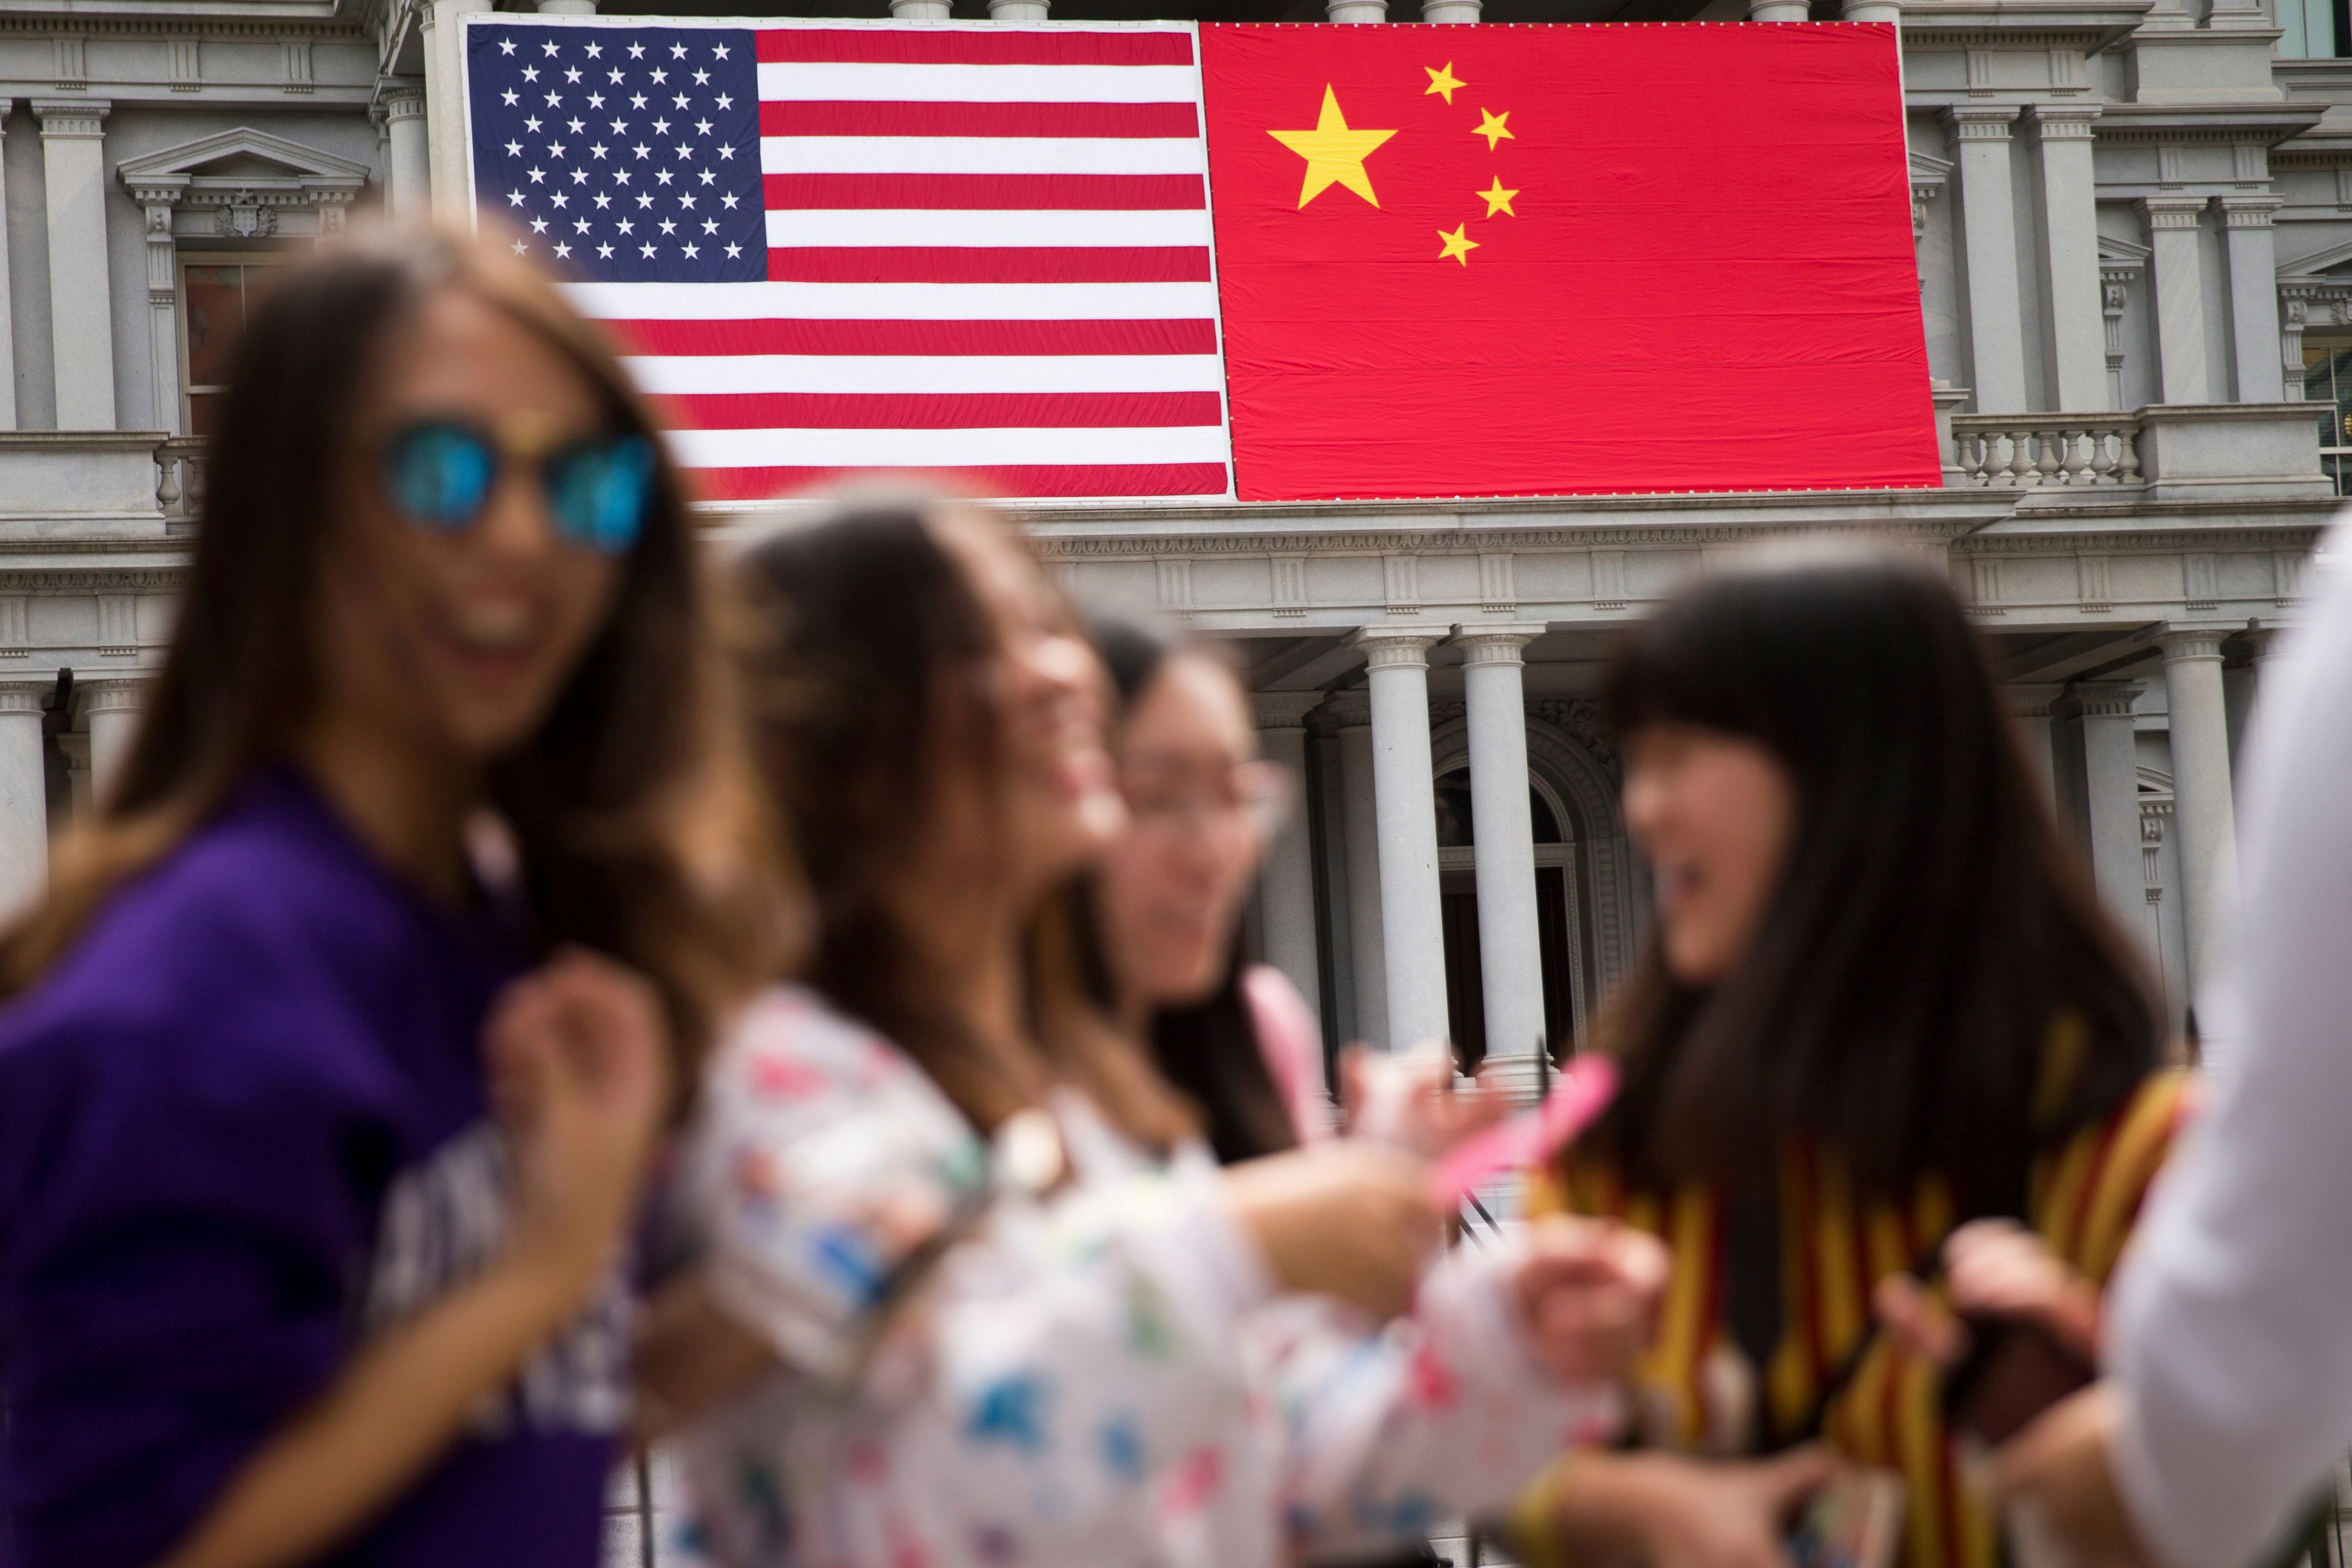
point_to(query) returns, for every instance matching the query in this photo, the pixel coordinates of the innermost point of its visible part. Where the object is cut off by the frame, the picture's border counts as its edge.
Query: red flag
(1525, 260)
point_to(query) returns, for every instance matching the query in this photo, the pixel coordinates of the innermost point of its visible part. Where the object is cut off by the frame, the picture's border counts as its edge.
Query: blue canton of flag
(622, 154)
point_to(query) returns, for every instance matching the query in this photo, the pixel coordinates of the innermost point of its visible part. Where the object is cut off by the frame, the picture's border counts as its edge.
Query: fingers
(1790, 1479)
(1586, 1291)
(1919, 1323)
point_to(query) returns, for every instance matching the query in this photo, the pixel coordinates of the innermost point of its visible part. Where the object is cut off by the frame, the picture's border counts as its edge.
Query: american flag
(979, 250)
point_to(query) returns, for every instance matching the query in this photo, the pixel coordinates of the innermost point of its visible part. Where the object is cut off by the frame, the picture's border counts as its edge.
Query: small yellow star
(1498, 200)
(1491, 126)
(1442, 80)
(1335, 153)
(1458, 245)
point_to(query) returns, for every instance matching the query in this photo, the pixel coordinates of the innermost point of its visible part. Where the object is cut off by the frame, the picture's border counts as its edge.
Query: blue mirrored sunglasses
(440, 474)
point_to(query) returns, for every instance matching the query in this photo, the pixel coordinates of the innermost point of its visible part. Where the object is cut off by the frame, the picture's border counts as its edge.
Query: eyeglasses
(1256, 795)
(440, 474)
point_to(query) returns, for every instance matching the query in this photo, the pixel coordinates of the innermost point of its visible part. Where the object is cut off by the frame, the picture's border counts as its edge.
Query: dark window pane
(204, 413)
(213, 300)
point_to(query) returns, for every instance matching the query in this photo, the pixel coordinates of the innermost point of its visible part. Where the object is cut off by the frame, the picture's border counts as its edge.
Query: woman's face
(459, 639)
(1056, 806)
(1714, 812)
(1171, 890)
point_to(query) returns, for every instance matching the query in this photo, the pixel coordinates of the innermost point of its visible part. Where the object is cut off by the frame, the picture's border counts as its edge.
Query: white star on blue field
(622, 154)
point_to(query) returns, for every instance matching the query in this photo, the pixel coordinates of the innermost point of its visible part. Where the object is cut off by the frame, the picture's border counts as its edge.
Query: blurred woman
(1162, 936)
(1165, 904)
(967, 1288)
(275, 1280)
(1881, 1001)
(1160, 925)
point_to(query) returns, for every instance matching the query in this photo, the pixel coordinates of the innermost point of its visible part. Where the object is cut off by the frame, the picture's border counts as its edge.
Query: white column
(1511, 946)
(81, 307)
(111, 707)
(2177, 272)
(2030, 707)
(920, 10)
(1357, 10)
(8, 326)
(2074, 329)
(1988, 275)
(1412, 928)
(1360, 827)
(1871, 11)
(1451, 11)
(23, 796)
(408, 187)
(1777, 10)
(162, 307)
(1016, 10)
(567, 8)
(2253, 297)
(444, 31)
(2203, 805)
(1287, 883)
(2108, 812)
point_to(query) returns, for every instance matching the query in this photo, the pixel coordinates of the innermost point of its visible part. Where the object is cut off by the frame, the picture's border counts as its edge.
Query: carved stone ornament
(245, 218)
(1581, 717)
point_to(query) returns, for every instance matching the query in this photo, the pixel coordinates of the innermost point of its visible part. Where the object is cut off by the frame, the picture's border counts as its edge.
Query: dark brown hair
(1207, 1049)
(637, 828)
(869, 663)
(1930, 938)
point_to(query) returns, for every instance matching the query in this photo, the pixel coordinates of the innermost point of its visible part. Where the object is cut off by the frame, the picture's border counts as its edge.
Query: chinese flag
(1538, 260)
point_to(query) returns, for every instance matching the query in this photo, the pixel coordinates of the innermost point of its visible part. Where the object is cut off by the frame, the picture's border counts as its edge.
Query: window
(2313, 29)
(217, 298)
(2327, 382)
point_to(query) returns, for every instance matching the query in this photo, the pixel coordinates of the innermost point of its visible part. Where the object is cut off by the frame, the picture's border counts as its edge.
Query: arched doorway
(1558, 923)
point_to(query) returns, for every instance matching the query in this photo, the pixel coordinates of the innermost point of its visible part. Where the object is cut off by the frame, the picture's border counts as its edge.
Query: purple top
(242, 1122)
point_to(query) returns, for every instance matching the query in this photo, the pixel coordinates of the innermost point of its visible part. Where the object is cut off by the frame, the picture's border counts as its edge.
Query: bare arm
(577, 1062)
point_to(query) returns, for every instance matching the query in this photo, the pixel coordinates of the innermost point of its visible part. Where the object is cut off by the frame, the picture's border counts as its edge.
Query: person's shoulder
(234, 924)
(789, 1052)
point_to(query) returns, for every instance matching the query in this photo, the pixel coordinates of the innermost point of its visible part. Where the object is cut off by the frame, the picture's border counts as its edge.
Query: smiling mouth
(494, 630)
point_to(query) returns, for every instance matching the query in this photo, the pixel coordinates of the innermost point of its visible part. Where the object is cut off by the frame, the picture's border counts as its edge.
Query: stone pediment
(2333, 264)
(2113, 252)
(243, 167)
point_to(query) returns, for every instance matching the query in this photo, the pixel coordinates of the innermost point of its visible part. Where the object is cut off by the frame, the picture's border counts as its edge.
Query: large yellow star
(1442, 80)
(1491, 126)
(1498, 200)
(1334, 154)
(1458, 245)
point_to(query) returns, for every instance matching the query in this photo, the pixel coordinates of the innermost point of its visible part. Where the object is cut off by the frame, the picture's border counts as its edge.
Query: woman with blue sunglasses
(338, 1043)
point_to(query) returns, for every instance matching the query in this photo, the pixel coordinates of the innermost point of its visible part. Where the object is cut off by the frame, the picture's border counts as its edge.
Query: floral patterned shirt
(976, 1376)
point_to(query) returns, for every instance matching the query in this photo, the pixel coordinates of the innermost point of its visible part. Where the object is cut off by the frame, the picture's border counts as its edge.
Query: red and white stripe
(989, 258)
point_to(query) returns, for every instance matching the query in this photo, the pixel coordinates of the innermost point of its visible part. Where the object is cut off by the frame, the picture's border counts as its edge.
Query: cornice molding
(162, 28)
(2222, 542)
(1469, 540)
(83, 580)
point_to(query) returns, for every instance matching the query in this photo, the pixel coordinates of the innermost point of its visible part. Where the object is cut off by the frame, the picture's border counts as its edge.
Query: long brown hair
(869, 659)
(637, 831)
(1933, 986)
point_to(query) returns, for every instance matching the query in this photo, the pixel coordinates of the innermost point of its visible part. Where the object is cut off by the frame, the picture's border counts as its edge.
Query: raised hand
(579, 1061)
(1349, 1219)
(1588, 1293)
(1412, 1099)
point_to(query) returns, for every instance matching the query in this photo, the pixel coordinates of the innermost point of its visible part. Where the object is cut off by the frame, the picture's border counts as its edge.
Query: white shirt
(2230, 1332)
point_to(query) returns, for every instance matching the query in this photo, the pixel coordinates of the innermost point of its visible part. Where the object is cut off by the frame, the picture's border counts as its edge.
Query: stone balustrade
(2175, 451)
(179, 478)
(2022, 450)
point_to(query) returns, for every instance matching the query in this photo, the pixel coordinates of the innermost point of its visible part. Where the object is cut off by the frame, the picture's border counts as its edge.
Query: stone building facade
(2134, 222)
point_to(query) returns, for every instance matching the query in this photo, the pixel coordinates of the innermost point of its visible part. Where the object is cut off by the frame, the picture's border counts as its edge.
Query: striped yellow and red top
(1693, 1393)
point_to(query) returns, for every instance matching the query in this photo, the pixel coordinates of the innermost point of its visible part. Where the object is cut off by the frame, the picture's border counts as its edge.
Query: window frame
(181, 263)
